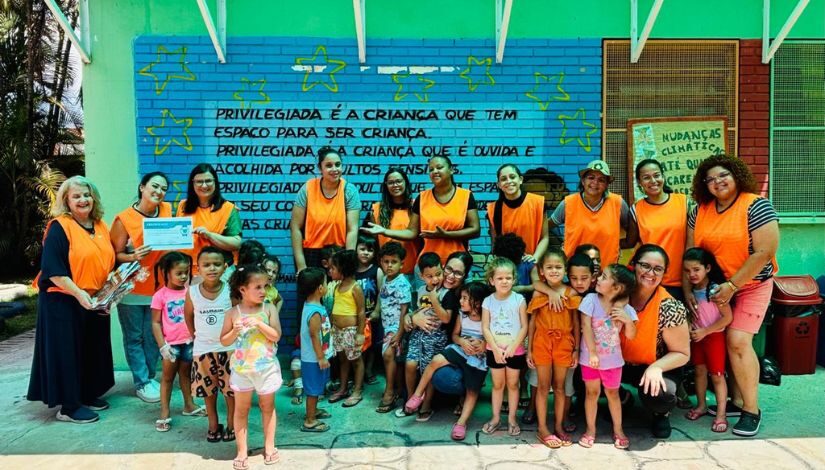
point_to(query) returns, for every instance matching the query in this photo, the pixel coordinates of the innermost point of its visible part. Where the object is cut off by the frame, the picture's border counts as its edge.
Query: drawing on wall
(416, 86)
(547, 90)
(166, 59)
(474, 80)
(166, 135)
(321, 69)
(582, 136)
(251, 92)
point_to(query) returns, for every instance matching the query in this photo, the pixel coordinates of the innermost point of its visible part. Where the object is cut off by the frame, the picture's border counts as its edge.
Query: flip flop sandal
(297, 399)
(371, 380)
(424, 416)
(336, 397)
(513, 430)
(273, 458)
(490, 428)
(569, 426)
(352, 401)
(387, 406)
(228, 435)
(459, 432)
(199, 411)
(695, 414)
(719, 425)
(621, 443)
(322, 414)
(216, 435)
(566, 440)
(587, 441)
(240, 464)
(162, 425)
(318, 427)
(552, 441)
(402, 413)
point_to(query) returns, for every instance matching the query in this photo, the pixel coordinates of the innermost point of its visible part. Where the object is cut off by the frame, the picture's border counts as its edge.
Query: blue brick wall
(550, 88)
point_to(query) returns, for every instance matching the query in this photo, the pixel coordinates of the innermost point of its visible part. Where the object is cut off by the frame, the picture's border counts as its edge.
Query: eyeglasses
(718, 178)
(658, 270)
(209, 182)
(395, 182)
(448, 271)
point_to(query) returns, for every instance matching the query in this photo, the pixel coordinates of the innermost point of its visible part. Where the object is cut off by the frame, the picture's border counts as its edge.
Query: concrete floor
(792, 435)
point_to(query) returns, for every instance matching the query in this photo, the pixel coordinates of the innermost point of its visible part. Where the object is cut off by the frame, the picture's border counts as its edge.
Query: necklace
(135, 207)
(89, 230)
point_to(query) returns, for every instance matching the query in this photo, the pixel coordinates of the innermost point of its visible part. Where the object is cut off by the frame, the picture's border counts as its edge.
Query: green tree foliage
(40, 138)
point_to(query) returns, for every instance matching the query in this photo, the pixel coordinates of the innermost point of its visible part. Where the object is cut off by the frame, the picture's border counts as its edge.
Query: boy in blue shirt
(315, 346)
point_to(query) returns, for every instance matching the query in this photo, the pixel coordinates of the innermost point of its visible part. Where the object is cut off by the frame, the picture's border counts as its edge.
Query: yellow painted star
(486, 80)
(255, 87)
(164, 136)
(165, 58)
(420, 92)
(310, 63)
(541, 80)
(583, 142)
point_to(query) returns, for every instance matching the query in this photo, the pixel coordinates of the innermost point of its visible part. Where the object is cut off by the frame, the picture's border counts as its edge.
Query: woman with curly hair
(393, 212)
(741, 229)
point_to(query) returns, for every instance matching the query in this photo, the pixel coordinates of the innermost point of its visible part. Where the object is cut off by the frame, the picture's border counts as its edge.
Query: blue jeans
(142, 352)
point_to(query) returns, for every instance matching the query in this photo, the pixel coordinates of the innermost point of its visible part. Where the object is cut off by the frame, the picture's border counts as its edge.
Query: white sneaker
(155, 385)
(148, 393)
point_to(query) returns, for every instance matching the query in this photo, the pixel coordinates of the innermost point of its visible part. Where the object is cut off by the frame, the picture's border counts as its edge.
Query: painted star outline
(186, 144)
(183, 74)
(465, 74)
(251, 86)
(423, 97)
(585, 144)
(308, 62)
(542, 78)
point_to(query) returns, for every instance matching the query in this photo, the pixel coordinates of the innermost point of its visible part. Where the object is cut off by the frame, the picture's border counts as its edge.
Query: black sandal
(216, 435)
(228, 435)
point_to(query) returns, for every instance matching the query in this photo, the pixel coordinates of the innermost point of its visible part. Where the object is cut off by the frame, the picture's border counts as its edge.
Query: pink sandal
(620, 442)
(459, 432)
(587, 441)
(413, 403)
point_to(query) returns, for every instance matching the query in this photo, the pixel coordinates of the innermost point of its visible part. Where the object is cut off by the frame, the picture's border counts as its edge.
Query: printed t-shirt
(605, 332)
(170, 303)
(505, 320)
(324, 335)
(393, 294)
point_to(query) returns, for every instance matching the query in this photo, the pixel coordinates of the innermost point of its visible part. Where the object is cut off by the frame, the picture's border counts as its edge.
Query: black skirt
(72, 362)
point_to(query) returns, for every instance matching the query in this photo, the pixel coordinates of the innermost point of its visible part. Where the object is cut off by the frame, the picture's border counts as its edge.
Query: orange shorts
(553, 347)
(367, 337)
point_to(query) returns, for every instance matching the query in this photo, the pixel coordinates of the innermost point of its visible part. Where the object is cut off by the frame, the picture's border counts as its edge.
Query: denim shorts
(183, 352)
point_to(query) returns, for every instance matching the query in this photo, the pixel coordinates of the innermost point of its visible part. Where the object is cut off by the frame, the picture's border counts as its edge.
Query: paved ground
(793, 436)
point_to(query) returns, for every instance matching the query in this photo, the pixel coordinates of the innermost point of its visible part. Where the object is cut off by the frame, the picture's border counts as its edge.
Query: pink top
(170, 303)
(707, 313)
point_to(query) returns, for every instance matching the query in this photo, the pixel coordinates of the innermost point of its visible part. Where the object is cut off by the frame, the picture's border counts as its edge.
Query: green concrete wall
(108, 83)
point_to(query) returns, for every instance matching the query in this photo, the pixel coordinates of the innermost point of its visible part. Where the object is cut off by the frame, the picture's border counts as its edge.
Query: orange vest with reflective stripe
(642, 348)
(91, 257)
(601, 228)
(400, 220)
(215, 222)
(450, 216)
(132, 221)
(665, 225)
(726, 234)
(326, 218)
(525, 221)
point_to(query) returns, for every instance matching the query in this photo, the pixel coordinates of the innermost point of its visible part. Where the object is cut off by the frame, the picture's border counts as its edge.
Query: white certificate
(168, 233)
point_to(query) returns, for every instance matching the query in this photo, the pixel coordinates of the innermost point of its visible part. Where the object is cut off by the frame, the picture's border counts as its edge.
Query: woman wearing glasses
(325, 213)
(216, 222)
(741, 230)
(662, 342)
(134, 312)
(660, 218)
(592, 215)
(393, 211)
(446, 216)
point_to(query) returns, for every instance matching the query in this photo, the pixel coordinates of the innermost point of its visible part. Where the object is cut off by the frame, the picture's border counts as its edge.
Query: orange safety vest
(726, 234)
(91, 257)
(132, 221)
(642, 348)
(215, 222)
(326, 218)
(450, 216)
(399, 220)
(601, 228)
(525, 221)
(665, 225)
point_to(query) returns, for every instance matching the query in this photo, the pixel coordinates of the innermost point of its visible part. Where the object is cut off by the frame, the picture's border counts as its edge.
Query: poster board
(678, 143)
